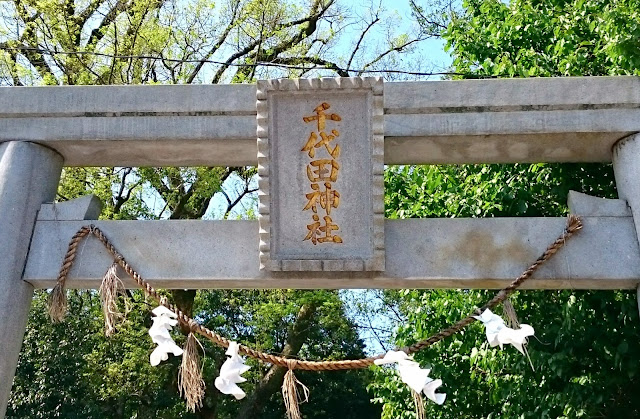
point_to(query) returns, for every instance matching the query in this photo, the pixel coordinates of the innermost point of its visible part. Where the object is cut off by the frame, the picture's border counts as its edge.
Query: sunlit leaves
(525, 38)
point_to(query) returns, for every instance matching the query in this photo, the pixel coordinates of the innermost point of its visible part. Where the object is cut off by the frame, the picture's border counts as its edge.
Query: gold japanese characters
(322, 173)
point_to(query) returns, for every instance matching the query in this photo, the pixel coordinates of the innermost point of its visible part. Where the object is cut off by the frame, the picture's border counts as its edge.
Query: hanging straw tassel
(190, 382)
(58, 303)
(58, 297)
(110, 288)
(419, 404)
(290, 392)
(510, 313)
(512, 321)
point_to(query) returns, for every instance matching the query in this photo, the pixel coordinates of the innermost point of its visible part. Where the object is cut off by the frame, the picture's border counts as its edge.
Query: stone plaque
(320, 174)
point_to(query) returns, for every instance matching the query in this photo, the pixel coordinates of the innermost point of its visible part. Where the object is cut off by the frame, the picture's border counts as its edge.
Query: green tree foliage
(70, 370)
(546, 38)
(586, 348)
(498, 190)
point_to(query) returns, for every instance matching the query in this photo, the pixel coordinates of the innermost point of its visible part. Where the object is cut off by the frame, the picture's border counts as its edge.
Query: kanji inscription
(320, 166)
(327, 198)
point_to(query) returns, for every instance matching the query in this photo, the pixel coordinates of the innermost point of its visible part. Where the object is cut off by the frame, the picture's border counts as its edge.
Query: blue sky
(433, 48)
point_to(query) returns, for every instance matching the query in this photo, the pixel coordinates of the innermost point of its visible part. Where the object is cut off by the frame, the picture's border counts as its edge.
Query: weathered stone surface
(29, 176)
(321, 189)
(135, 125)
(520, 120)
(132, 100)
(420, 253)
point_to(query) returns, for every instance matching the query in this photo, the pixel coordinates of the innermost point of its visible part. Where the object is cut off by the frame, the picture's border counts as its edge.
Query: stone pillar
(29, 176)
(626, 166)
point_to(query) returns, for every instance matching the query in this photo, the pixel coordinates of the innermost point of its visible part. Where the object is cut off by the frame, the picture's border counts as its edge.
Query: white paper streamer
(412, 375)
(231, 373)
(499, 334)
(162, 324)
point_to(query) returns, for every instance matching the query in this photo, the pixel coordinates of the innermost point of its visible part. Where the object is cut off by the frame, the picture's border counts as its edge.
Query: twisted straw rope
(573, 225)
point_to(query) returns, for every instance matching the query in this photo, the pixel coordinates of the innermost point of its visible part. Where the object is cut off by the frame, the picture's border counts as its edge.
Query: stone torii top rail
(442, 122)
(507, 121)
(434, 122)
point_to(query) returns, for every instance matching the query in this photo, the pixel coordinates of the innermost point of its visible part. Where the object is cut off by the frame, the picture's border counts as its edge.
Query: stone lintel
(420, 253)
(573, 119)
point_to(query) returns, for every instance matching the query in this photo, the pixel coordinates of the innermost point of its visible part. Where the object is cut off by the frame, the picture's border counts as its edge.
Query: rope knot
(192, 325)
(292, 364)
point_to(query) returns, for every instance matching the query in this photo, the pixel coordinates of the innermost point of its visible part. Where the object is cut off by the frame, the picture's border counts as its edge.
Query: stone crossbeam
(472, 121)
(421, 253)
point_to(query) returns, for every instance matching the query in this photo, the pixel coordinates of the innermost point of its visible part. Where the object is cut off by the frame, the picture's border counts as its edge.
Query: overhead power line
(44, 51)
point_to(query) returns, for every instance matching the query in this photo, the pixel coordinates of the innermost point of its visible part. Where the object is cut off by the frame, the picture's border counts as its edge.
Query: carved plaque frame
(372, 89)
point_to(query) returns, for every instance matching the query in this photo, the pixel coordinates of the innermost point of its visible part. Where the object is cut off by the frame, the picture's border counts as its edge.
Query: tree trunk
(272, 380)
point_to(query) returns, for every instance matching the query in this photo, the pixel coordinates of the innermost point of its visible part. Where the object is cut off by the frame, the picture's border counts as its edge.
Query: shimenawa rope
(58, 303)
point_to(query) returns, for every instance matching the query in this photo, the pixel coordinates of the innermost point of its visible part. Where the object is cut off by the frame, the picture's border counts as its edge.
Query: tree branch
(424, 21)
(123, 182)
(98, 33)
(231, 205)
(37, 61)
(88, 11)
(362, 35)
(226, 197)
(312, 60)
(217, 45)
(387, 52)
(317, 10)
(122, 200)
(246, 50)
(13, 58)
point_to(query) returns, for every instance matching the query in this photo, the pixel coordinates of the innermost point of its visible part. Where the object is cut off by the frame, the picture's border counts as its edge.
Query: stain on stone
(479, 249)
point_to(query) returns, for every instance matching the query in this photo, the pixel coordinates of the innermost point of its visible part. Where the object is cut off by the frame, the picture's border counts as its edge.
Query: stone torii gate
(438, 122)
